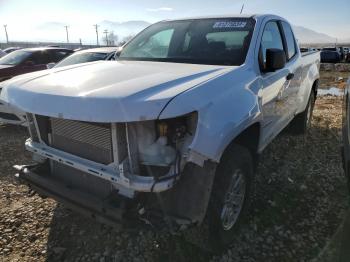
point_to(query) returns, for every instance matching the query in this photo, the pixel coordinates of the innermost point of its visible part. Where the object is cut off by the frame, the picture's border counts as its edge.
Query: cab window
(40, 58)
(290, 40)
(271, 38)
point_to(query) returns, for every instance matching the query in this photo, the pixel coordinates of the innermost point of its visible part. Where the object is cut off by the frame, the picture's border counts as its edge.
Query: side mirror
(275, 59)
(50, 65)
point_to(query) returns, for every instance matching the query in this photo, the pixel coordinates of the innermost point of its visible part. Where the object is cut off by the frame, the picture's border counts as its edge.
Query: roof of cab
(260, 16)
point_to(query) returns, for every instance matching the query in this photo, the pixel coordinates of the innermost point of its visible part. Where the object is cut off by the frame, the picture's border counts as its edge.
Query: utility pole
(66, 26)
(106, 33)
(96, 28)
(7, 37)
(242, 9)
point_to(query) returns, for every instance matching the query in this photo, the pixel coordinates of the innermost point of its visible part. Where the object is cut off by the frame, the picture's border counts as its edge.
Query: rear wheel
(302, 122)
(231, 194)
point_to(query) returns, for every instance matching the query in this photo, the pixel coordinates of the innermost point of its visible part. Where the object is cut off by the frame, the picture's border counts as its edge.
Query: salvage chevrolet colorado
(170, 133)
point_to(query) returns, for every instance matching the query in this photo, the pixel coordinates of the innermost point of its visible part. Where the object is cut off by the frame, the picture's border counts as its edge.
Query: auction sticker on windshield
(230, 24)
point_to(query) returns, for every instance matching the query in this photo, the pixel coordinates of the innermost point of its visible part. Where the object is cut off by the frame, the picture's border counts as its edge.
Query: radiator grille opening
(91, 141)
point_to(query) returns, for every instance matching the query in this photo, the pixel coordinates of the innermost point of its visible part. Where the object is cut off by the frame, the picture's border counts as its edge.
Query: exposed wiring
(174, 176)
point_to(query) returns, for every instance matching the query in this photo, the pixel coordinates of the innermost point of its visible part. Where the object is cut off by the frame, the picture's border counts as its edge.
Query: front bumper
(122, 181)
(102, 210)
(112, 210)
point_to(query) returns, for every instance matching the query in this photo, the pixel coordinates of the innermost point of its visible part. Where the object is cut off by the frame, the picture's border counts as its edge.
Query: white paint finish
(6, 108)
(225, 105)
(227, 99)
(107, 91)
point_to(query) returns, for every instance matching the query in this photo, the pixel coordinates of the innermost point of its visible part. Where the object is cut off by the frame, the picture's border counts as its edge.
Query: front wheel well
(315, 86)
(249, 138)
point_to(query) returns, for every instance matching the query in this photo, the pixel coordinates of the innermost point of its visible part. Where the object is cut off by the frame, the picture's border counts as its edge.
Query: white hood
(106, 91)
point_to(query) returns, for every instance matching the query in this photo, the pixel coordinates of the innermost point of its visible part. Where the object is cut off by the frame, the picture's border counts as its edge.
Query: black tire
(302, 122)
(235, 158)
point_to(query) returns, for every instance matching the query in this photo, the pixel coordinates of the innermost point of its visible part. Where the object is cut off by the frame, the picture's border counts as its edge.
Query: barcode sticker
(229, 24)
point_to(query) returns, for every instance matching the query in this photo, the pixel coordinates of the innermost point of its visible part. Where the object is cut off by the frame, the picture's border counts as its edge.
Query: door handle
(290, 76)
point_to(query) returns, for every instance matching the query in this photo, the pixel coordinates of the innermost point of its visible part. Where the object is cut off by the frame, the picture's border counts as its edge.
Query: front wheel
(231, 194)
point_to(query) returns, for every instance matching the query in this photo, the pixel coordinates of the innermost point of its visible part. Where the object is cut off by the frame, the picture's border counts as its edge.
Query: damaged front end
(121, 173)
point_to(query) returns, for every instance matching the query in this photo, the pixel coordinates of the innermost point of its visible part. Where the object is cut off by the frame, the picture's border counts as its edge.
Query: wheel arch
(315, 86)
(248, 138)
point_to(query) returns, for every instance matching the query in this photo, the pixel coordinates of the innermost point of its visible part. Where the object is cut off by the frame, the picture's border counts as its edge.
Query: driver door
(274, 85)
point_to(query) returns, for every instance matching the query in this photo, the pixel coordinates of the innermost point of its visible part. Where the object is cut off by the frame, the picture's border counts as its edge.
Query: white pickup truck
(169, 133)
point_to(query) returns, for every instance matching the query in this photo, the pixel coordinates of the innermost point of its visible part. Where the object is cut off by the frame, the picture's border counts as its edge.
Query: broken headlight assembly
(164, 143)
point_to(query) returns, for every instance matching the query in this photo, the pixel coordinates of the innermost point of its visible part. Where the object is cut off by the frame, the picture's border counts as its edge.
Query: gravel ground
(301, 200)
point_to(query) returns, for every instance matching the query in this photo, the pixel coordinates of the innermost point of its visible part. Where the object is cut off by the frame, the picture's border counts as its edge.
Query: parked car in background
(30, 60)
(2, 53)
(342, 52)
(331, 55)
(88, 55)
(346, 50)
(11, 49)
(170, 133)
(347, 59)
(307, 49)
(21, 62)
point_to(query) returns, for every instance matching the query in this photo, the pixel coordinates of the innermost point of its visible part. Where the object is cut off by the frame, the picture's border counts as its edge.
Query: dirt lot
(301, 200)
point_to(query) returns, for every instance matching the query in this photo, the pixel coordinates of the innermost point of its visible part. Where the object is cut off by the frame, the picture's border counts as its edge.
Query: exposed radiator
(91, 141)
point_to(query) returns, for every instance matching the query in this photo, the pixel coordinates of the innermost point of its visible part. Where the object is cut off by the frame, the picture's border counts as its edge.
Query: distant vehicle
(330, 55)
(307, 49)
(11, 49)
(346, 50)
(347, 59)
(30, 60)
(89, 55)
(2, 53)
(21, 62)
(342, 53)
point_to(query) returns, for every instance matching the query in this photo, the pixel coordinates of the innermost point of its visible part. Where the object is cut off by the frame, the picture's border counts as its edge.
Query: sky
(25, 19)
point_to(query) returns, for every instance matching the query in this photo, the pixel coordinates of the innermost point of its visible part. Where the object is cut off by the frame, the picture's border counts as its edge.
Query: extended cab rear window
(223, 41)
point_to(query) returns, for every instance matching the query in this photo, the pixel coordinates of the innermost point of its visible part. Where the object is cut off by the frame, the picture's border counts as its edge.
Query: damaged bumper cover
(84, 203)
(179, 210)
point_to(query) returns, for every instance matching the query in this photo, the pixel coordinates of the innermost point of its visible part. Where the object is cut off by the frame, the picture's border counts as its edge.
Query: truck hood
(106, 91)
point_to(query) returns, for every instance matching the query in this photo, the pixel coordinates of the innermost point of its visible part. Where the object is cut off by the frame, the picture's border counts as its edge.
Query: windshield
(83, 57)
(222, 41)
(15, 58)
